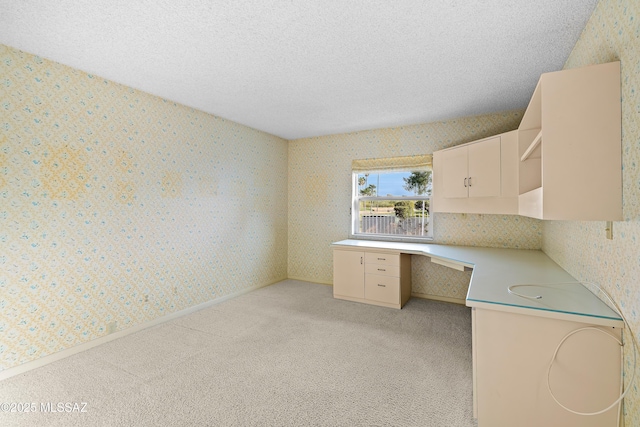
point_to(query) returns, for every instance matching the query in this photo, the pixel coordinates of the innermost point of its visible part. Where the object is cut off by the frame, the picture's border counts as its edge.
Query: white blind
(393, 164)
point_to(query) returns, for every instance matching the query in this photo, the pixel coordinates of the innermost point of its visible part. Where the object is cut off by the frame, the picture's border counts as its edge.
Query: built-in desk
(514, 337)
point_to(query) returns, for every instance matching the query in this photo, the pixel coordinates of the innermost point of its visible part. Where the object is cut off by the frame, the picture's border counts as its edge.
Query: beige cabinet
(477, 177)
(484, 168)
(348, 273)
(511, 356)
(455, 172)
(379, 278)
(472, 170)
(570, 146)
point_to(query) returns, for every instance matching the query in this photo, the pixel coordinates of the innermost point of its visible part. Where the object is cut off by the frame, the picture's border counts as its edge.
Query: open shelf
(534, 144)
(574, 174)
(530, 148)
(530, 155)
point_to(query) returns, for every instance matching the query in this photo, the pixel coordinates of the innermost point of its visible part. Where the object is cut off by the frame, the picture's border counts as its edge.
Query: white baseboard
(45, 360)
(439, 298)
(305, 279)
(413, 294)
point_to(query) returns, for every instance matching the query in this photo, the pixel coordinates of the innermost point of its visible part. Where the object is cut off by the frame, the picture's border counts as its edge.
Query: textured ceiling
(314, 67)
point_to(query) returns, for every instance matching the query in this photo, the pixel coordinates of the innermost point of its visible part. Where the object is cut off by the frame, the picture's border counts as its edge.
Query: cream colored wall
(108, 195)
(320, 199)
(612, 33)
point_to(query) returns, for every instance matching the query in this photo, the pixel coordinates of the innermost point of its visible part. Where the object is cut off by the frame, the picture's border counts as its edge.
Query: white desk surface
(495, 269)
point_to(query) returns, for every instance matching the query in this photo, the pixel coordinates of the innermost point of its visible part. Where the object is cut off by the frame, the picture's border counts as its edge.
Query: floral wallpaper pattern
(118, 207)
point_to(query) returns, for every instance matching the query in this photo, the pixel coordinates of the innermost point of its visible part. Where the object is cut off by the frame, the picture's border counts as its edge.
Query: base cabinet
(348, 273)
(511, 356)
(379, 278)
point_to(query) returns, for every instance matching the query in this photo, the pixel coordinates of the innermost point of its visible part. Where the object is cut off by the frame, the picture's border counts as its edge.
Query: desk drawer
(383, 270)
(381, 258)
(382, 288)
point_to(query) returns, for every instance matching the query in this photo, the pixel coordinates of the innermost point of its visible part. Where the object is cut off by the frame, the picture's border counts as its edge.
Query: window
(391, 198)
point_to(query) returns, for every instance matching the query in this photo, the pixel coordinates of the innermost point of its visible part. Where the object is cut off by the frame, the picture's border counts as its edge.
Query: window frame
(356, 198)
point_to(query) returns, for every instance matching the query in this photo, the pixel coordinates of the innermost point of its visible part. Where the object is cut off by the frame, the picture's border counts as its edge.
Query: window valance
(393, 164)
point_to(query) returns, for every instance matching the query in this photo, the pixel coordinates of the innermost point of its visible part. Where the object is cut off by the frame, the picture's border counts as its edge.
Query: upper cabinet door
(484, 168)
(489, 169)
(454, 173)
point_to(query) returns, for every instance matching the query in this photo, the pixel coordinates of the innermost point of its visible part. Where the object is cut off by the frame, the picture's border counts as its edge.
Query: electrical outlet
(609, 230)
(112, 327)
(146, 298)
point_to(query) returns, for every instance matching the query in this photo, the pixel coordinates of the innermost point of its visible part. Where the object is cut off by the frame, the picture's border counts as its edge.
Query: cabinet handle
(384, 286)
(360, 260)
(469, 181)
(465, 183)
(381, 269)
(382, 259)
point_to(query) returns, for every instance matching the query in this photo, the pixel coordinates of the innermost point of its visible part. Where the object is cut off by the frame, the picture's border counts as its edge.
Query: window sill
(387, 238)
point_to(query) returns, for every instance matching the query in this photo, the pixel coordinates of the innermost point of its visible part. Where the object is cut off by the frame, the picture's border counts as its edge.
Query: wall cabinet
(477, 177)
(570, 146)
(472, 170)
(372, 277)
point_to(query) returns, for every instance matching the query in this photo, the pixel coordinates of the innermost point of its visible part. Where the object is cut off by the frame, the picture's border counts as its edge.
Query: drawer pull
(381, 269)
(382, 259)
(384, 286)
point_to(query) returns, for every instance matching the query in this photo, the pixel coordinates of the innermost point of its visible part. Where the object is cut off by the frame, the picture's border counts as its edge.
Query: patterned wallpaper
(320, 198)
(612, 33)
(117, 206)
(429, 280)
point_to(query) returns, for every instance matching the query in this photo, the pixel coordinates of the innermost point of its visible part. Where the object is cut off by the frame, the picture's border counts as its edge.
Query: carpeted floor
(284, 355)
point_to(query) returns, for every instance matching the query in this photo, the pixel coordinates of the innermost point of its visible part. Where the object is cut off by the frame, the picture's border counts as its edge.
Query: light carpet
(284, 355)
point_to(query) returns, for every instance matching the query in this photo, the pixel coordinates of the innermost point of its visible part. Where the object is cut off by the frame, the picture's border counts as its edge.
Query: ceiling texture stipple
(310, 68)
